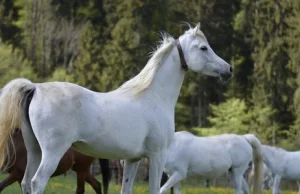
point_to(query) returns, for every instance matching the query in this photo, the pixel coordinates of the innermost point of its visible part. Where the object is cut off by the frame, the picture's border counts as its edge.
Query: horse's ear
(197, 28)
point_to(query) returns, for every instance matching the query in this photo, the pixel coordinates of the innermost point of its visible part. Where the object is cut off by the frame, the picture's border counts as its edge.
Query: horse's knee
(25, 185)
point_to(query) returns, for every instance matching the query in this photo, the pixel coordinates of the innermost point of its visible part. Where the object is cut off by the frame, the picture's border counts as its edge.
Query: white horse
(267, 178)
(211, 157)
(131, 122)
(283, 165)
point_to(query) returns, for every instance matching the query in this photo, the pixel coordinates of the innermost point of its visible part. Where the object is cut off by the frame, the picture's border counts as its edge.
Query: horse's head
(200, 57)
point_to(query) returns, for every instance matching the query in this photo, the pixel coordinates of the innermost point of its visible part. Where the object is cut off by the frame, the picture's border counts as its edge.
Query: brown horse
(71, 160)
(116, 169)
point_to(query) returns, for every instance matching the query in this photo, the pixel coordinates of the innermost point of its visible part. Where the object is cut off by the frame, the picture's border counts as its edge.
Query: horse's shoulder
(226, 137)
(184, 136)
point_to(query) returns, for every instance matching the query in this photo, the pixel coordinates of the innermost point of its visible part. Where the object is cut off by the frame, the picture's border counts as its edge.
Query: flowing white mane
(143, 80)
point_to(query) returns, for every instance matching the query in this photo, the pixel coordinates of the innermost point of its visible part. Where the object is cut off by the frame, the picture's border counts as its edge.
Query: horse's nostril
(230, 69)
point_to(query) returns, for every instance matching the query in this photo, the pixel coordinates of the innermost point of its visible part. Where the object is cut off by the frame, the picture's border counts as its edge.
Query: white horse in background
(131, 122)
(267, 178)
(211, 157)
(283, 165)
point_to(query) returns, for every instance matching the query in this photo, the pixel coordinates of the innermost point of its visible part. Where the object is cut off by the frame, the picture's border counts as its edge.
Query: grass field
(67, 185)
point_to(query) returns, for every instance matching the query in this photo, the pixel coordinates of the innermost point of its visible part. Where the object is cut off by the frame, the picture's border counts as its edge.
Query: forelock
(199, 33)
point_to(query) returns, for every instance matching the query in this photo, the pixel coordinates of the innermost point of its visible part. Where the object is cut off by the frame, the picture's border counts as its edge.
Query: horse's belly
(212, 165)
(209, 170)
(109, 151)
(291, 174)
(122, 134)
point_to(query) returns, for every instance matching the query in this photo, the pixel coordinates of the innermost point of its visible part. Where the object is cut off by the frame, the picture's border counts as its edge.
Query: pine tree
(264, 22)
(293, 40)
(14, 65)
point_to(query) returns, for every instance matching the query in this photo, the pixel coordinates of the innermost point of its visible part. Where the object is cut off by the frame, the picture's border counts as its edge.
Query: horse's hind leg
(164, 179)
(276, 185)
(245, 186)
(80, 182)
(174, 179)
(237, 177)
(106, 175)
(33, 156)
(94, 183)
(53, 148)
(298, 183)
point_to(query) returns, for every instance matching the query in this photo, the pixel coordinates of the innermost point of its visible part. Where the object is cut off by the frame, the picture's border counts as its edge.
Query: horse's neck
(271, 154)
(168, 79)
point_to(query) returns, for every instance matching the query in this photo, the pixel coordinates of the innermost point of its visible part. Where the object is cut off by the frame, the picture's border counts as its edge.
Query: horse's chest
(159, 136)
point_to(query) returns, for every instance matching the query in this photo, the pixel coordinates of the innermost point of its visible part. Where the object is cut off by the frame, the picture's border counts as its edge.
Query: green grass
(67, 185)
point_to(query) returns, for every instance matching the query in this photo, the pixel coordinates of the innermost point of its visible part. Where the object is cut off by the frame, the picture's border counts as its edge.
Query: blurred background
(99, 44)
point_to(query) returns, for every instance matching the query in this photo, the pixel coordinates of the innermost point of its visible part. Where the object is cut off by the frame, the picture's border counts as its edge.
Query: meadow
(67, 185)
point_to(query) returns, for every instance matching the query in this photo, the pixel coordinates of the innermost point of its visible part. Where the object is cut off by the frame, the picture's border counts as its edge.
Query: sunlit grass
(67, 185)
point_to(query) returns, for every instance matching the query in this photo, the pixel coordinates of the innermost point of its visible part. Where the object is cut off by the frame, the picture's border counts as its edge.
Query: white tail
(258, 162)
(11, 111)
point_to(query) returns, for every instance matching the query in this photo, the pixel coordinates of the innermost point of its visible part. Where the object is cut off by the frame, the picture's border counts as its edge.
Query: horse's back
(235, 147)
(60, 93)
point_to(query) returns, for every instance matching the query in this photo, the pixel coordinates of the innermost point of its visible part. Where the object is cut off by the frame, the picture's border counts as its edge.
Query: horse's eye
(204, 48)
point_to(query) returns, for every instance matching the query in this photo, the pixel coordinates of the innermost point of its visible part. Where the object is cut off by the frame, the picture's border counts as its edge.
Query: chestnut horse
(71, 160)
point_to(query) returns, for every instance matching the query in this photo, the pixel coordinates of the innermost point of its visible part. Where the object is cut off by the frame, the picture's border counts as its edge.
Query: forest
(99, 44)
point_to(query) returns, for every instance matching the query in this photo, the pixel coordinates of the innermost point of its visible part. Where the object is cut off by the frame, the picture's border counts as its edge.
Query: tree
(14, 65)
(231, 116)
(265, 25)
(293, 40)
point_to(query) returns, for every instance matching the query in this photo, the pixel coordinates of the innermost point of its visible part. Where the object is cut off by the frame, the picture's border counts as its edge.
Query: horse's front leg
(130, 169)
(173, 180)
(276, 185)
(298, 182)
(156, 165)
